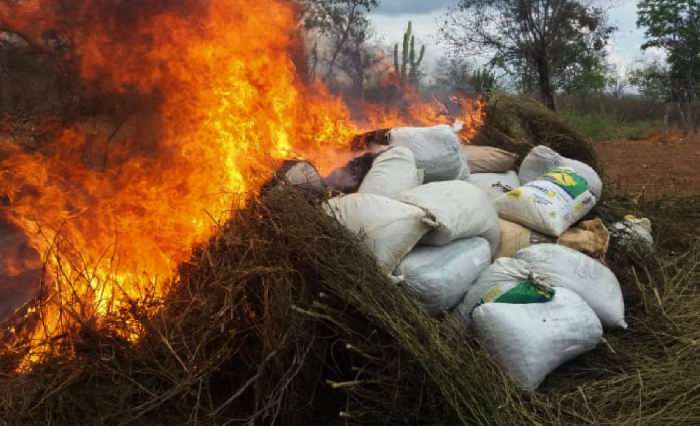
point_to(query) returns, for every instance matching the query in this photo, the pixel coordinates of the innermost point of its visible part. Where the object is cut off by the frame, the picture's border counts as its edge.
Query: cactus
(407, 70)
(484, 81)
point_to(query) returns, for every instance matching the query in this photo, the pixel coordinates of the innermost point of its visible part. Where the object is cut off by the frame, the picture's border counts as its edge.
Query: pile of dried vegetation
(283, 318)
(518, 124)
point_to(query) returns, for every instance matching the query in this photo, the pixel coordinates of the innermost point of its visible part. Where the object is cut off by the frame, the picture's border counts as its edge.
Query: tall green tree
(554, 40)
(674, 26)
(653, 81)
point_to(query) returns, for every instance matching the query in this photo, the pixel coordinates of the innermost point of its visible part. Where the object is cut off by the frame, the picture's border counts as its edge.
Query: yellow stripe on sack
(491, 295)
(514, 194)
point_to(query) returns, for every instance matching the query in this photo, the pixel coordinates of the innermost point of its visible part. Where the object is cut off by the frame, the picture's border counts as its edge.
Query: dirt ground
(651, 167)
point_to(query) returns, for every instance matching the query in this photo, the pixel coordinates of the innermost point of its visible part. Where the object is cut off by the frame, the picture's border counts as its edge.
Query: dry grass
(518, 124)
(282, 318)
(648, 374)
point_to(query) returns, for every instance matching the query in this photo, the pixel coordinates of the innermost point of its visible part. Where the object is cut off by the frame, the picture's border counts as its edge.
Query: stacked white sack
(437, 150)
(527, 340)
(550, 204)
(495, 184)
(542, 158)
(530, 341)
(303, 174)
(461, 209)
(388, 228)
(504, 274)
(392, 172)
(440, 276)
(590, 279)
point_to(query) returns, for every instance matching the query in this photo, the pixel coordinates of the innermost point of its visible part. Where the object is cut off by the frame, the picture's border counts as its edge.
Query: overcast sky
(392, 16)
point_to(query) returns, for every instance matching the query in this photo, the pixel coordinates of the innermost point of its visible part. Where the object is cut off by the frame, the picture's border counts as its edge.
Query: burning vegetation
(210, 101)
(173, 291)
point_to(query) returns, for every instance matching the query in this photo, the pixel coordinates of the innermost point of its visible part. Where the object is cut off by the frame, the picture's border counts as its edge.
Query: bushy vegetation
(603, 127)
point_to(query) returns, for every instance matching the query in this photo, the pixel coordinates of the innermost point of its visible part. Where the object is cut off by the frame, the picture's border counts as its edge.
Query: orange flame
(230, 104)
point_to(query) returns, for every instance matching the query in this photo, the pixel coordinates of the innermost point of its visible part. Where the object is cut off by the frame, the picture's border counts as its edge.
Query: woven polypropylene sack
(495, 184)
(488, 159)
(536, 163)
(549, 205)
(437, 150)
(462, 210)
(542, 158)
(515, 237)
(303, 174)
(530, 341)
(502, 275)
(388, 228)
(440, 276)
(392, 172)
(589, 237)
(590, 279)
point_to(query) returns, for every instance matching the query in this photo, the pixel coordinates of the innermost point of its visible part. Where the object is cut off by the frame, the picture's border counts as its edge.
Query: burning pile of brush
(141, 315)
(281, 316)
(178, 284)
(194, 114)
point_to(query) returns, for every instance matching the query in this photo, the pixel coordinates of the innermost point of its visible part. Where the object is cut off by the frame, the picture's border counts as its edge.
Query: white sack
(550, 204)
(439, 276)
(590, 279)
(595, 184)
(437, 150)
(542, 158)
(461, 209)
(504, 274)
(392, 172)
(388, 228)
(303, 174)
(633, 234)
(488, 159)
(537, 162)
(495, 184)
(531, 340)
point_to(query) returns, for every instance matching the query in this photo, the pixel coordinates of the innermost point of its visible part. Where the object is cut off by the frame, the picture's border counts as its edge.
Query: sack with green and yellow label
(549, 204)
(507, 280)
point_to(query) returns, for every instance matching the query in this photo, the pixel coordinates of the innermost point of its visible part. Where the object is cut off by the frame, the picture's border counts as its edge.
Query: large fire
(229, 104)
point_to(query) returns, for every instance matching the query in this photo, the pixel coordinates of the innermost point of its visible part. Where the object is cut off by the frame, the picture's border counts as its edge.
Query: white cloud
(412, 7)
(625, 45)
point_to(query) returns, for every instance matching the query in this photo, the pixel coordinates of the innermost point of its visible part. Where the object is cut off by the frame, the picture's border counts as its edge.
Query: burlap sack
(515, 237)
(488, 159)
(590, 237)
